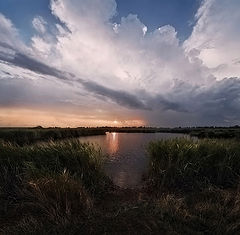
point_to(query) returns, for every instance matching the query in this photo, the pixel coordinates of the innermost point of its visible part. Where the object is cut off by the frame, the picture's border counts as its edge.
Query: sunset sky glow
(119, 63)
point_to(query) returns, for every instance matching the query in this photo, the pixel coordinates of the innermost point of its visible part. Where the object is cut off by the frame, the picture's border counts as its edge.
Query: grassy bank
(220, 133)
(192, 164)
(59, 187)
(23, 136)
(200, 132)
(200, 179)
(49, 184)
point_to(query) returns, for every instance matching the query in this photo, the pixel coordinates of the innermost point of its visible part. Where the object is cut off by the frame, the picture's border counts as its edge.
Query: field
(59, 187)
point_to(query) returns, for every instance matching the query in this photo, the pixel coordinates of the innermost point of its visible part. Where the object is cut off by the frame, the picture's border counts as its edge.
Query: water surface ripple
(127, 161)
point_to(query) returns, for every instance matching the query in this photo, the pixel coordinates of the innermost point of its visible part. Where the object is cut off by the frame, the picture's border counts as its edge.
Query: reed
(59, 187)
(190, 164)
(53, 181)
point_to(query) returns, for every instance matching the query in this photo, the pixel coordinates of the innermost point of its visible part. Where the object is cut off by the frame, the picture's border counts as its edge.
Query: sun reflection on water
(113, 144)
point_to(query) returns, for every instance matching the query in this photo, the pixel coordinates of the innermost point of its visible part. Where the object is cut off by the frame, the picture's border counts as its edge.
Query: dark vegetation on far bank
(200, 132)
(59, 187)
(29, 135)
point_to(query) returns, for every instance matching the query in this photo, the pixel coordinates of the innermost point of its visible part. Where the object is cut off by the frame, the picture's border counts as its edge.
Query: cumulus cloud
(39, 24)
(126, 69)
(86, 13)
(216, 37)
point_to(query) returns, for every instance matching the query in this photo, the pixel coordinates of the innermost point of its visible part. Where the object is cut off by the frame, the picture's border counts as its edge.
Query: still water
(127, 162)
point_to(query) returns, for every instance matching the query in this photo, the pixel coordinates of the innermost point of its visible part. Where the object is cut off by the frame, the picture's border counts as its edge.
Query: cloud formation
(122, 71)
(216, 37)
(39, 24)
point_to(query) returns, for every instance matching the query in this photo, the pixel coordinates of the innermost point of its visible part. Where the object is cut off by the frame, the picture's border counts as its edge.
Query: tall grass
(53, 181)
(188, 164)
(82, 161)
(59, 187)
(196, 185)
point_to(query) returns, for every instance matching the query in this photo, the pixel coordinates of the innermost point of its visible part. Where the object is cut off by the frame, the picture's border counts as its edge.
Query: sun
(115, 122)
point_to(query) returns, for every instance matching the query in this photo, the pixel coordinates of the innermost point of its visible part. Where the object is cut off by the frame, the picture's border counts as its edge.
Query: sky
(119, 63)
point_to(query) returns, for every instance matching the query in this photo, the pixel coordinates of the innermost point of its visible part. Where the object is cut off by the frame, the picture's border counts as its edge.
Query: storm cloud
(20, 60)
(122, 69)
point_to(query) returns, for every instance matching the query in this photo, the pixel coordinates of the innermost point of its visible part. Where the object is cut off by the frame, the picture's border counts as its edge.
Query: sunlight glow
(113, 144)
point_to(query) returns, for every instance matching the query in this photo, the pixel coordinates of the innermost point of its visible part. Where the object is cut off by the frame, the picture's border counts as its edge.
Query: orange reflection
(112, 140)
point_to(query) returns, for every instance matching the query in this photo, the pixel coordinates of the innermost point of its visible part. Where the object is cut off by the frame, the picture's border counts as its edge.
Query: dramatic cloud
(122, 72)
(39, 24)
(216, 37)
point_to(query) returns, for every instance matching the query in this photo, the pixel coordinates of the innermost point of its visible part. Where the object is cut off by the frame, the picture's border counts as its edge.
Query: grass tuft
(190, 164)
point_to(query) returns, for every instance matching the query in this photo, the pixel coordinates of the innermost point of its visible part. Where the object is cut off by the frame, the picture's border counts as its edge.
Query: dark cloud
(217, 103)
(222, 101)
(24, 61)
(120, 97)
(159, 102)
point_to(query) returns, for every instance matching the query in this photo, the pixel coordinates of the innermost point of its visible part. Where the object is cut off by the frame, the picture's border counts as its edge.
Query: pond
(127, 162)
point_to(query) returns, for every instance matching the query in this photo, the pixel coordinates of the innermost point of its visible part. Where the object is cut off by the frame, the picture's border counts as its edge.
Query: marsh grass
(190, 164)
(196, 184)
(220, 133)
(52, 181)
(59, 187)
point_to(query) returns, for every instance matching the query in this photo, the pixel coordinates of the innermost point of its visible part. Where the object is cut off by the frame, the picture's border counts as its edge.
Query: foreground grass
(188, 164)
(201, 180)
(53, 182)
(60, 188)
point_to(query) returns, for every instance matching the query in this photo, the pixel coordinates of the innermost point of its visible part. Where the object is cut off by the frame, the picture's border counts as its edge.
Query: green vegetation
(200, 132)
(49, 183)
(23, 136)
(223, 133)
(201, 177)
(191, 164)
(206, 132)
(59, 187)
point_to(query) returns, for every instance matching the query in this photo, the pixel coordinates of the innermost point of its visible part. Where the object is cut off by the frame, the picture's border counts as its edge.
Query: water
(127, 162)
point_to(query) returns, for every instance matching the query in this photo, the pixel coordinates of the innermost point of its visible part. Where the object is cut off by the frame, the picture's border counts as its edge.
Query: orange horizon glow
(32, 118)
